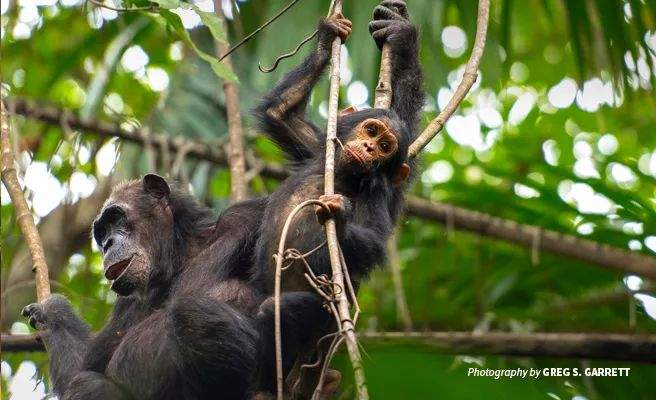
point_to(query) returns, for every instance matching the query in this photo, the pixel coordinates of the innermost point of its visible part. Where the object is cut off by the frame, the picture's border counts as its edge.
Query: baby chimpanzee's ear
(156, 186)
(401, 174)
(348, 110)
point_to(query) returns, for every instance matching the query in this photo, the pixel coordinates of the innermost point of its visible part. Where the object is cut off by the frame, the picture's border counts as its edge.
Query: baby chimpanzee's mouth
(355, 155)
(115, 270)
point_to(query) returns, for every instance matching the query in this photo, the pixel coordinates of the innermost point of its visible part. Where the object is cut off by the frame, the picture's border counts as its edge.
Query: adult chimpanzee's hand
(391, 24)
(45, 315)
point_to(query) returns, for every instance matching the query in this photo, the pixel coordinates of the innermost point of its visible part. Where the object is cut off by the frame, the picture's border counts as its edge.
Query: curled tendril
(266, 70)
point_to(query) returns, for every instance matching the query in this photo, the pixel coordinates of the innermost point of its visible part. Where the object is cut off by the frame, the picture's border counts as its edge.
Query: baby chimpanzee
(370, 170)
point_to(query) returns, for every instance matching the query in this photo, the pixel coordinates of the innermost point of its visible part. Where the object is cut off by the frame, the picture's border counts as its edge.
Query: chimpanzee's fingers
(32, 321)
(343, 26)
(397, 6)
(29, 309)
(344, 21)
(381, 32)
(382, 12)
(380, 24)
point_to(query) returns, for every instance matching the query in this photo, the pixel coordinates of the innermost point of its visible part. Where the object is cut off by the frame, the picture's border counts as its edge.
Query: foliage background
(558, 132)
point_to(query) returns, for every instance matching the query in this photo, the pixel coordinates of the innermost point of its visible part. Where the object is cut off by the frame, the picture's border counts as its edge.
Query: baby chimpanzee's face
(370, 144)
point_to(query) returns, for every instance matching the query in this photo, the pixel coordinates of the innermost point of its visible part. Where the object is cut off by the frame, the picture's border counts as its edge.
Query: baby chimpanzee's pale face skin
(371, 142)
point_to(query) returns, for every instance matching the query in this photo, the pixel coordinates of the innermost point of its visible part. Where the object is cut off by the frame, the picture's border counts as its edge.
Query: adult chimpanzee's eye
(385, 146)
(371, 130)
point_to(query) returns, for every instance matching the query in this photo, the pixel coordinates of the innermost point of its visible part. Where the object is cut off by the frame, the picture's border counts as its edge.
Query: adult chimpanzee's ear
(401, 174)
(156, 186)
(348, 110)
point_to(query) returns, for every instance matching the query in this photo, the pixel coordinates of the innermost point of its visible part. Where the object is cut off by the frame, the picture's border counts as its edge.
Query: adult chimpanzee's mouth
(115, 270)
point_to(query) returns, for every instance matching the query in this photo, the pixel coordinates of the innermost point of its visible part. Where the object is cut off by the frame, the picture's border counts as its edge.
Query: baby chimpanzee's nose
(369, 147)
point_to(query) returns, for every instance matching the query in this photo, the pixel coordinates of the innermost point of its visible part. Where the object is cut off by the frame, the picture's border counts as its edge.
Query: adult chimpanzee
(161, 342)
(370, 171)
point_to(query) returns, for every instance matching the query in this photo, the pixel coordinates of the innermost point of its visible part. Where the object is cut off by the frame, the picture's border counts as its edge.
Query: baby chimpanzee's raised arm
(392, 25)
(282, 112)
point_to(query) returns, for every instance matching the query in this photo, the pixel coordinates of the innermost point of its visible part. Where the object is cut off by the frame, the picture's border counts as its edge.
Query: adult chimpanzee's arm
(391, 25)
(64, 335)
(127, 312)
(282, 111)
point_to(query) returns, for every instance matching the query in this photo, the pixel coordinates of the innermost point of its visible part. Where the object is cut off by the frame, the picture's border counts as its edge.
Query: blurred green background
(559, 132)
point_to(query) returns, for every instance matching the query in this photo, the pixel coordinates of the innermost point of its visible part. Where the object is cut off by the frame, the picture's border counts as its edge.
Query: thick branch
(601, 254)
(603, 346)
(610, 257)
(15, 343)
(23, 214)
(468, 79)
(606, 346)
(237, 164)
(195, 149)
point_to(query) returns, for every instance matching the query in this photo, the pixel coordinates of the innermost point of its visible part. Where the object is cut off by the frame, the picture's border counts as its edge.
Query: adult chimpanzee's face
(125, 232)
(371, 143)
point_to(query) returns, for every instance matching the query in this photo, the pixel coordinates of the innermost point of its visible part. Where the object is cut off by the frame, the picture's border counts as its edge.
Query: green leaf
(210, 20)
(221, 70)
(167, 4)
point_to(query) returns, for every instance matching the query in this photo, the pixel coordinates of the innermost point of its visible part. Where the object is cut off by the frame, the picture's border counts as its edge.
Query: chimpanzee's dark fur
(193, 332)
(373, 201)
(198, 330)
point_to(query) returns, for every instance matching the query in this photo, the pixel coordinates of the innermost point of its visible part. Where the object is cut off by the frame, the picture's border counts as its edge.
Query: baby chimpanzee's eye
(385, 146)
(371, 129)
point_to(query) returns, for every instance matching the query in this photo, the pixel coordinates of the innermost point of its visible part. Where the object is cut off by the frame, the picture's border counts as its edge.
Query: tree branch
(238, 190)
(586, 250)
(614, 258)
(606, 346)
(602, 346)
(468, 79)
(195, 149)
(23, 214)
